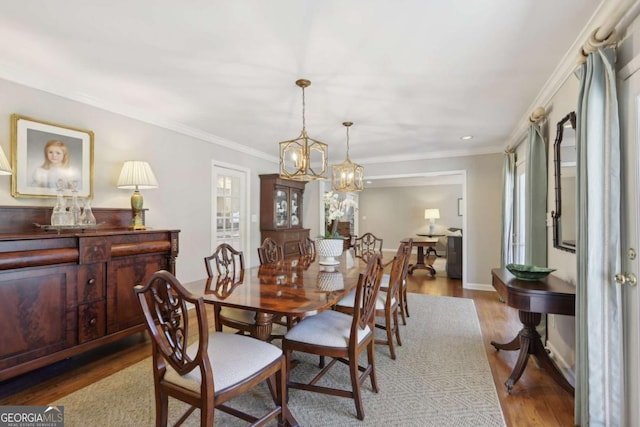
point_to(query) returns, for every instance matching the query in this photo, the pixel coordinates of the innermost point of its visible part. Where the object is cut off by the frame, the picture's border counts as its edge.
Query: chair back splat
(229, 262)
(229, 265)
(185, 372)
(307, 247)
(366, 246)
(270, 252)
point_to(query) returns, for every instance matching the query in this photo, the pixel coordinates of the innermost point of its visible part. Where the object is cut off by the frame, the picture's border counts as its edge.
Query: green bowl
(529, 272)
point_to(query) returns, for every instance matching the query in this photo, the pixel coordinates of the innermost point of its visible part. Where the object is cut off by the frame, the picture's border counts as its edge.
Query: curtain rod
(614, 14)
(614, 25)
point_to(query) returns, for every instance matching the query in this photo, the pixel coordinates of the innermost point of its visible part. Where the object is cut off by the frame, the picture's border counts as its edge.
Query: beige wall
(394, 213)
(561, 329)
(181, 163)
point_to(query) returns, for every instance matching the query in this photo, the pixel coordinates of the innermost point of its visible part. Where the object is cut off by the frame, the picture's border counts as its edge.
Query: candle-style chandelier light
(347, 176)
(303, 158)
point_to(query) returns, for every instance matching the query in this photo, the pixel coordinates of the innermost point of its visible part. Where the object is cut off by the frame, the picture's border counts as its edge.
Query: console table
(550, 295)
(64, 293)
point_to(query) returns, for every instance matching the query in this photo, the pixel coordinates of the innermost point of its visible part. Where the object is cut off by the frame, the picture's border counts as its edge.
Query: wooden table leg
(528, 342)
(421, 264)
(264, 325)
(514, 344)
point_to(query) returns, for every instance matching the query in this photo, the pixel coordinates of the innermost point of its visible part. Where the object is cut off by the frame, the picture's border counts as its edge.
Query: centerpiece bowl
(529, 272)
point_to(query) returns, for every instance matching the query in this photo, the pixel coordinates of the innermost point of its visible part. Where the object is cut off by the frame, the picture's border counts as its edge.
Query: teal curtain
(536, 201)
(508, 206)
(599, 356)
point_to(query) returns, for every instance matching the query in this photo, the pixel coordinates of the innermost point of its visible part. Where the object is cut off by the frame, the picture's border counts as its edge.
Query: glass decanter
(59, 214)
(87, 217)
(75, 208)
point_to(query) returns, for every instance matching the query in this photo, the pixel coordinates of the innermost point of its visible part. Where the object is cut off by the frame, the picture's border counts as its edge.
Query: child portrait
(49, 158)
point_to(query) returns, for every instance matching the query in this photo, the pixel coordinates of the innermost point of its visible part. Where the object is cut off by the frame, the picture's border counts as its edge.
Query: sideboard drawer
(94, 249)
(90, 282)
(91, 321)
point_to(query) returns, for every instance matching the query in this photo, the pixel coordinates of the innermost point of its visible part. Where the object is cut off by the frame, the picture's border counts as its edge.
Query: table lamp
(137, 175)
(432, 215)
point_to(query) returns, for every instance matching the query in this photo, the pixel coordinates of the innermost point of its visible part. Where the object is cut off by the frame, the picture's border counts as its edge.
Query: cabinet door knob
(93, 321)
(91, 281)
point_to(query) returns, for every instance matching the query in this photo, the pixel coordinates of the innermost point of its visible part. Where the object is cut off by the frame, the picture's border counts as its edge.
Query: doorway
(230, 206)
(422, 179)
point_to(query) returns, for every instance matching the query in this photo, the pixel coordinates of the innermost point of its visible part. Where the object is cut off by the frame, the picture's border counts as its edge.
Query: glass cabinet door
(296, 208)
(282, 207)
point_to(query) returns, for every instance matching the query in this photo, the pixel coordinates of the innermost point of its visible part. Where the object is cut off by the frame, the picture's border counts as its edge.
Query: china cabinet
(281, 202)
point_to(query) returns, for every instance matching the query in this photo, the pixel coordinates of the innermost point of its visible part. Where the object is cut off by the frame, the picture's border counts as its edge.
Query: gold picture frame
(46, 155)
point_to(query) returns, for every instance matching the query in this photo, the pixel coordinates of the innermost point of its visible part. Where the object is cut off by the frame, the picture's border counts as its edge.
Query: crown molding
(35, 82)
(432, 155)
(566, 67)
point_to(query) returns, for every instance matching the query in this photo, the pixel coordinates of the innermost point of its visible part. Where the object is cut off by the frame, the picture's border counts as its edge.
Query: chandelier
(303, 158)
(347, 176)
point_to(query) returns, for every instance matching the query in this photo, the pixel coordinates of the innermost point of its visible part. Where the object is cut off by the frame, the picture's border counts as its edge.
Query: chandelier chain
(303, 109)
(347, 142)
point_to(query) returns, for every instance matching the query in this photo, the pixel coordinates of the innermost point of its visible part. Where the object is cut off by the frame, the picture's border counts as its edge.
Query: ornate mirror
(565, 159)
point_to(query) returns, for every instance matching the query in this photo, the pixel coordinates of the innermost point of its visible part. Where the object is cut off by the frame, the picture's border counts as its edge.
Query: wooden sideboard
(63, 294)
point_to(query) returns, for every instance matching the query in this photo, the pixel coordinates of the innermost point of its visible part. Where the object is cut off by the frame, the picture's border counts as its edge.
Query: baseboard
(478, 287)
(564, 367)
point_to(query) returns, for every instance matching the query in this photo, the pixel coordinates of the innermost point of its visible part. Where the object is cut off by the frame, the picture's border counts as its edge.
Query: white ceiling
(413, 75)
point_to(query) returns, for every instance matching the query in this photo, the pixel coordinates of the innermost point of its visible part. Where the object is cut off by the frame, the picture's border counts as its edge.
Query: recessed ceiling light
(466, 137)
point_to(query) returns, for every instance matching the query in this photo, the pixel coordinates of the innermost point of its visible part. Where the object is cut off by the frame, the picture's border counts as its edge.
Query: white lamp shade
(432, 214)
(137, 174)
(5, 167)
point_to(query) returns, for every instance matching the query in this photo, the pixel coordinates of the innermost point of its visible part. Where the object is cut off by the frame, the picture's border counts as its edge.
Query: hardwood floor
(536, 399)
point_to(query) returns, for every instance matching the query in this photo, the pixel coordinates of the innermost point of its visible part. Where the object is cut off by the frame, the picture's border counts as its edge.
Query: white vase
(328, 250)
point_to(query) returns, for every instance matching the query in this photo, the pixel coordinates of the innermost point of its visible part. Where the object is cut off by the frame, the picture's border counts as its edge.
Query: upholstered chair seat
(329, 328)
(249, 356)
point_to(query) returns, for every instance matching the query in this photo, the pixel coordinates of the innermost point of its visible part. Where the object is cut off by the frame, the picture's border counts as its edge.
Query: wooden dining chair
(366, 246)
(341, 337)
(402, 293)
(229, 264)
(307, 247)
(186, 372)
(270, 251)
(388, 300)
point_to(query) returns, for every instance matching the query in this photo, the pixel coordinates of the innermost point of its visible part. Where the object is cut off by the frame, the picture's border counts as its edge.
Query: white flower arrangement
(334, 209)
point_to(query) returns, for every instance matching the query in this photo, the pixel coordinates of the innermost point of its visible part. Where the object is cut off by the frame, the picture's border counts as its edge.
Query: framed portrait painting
(47, 156)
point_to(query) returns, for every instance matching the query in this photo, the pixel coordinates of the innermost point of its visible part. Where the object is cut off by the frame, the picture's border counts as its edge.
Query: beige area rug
(441, 377)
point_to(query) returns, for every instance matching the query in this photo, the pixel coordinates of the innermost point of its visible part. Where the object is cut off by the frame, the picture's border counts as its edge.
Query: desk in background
(550, 295)
(423, 262)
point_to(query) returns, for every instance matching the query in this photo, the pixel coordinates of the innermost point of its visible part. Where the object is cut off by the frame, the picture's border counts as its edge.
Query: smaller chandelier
(347, 176)
(303, 158)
